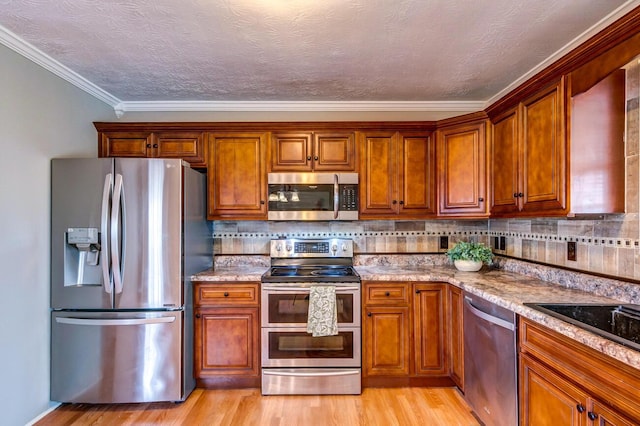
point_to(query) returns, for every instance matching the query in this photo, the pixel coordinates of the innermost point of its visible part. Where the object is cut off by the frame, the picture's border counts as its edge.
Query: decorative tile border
(276, 235)
(589, 241)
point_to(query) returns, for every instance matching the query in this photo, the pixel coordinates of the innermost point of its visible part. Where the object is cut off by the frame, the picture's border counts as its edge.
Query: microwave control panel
(348, 197)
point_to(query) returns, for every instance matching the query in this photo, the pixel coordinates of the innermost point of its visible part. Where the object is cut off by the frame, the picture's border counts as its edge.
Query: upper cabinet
(237, 178)
(187, 145)
(397, 175)
(462, 170)
(528, 156)
(313, 151)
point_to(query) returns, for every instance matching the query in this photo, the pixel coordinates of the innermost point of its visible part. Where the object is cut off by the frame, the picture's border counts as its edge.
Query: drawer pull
(387, 294)
(226, 294)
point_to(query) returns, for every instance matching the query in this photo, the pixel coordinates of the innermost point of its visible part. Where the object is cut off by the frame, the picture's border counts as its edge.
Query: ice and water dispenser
(82, 257)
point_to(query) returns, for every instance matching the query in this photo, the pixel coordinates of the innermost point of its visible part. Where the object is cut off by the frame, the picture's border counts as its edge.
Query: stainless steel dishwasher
(490, 361)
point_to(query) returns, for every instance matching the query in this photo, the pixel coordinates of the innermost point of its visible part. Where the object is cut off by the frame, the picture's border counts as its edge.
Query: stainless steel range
(293, 361)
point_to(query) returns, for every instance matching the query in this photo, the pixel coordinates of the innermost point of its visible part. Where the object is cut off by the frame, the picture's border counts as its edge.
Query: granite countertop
(508, 289)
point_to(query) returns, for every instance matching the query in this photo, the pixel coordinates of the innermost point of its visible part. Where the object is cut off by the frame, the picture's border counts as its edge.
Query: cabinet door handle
(480, 199)
(580, 408)
(592, 415)
(418, 291)
(315, 158)
(226, 294)
(368, 314)
(261, 201)
(394, 202)
(401, 202)
(155, 145)
(520, 194)
(197, 315)
(309, 158)
(148, 145)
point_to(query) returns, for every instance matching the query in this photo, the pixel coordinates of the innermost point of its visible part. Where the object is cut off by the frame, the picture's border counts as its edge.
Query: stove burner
(331, 272)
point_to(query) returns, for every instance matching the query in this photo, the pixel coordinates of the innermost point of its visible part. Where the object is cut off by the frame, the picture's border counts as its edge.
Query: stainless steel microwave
(313, 196)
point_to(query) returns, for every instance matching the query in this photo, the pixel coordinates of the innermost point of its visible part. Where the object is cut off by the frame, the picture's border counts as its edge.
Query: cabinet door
(291, 152)
(544, 151)
(378, 175)
(603, 415)
(429, 329)
(236, 176)
(462, 170)
(456, 338)
(226, 341)
(417, 179)
(505, 194)
(546, 399)
(386, 341)
(126, 144)
(186, 145)
(334, 151)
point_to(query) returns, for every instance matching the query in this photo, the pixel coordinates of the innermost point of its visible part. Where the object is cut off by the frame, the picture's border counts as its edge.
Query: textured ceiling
(301, 50)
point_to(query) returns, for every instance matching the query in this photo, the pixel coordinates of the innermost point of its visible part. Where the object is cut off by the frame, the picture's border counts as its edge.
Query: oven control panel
(295, 247)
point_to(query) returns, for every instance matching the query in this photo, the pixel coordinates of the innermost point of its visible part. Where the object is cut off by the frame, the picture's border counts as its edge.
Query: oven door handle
(339, 289)
(309, 373)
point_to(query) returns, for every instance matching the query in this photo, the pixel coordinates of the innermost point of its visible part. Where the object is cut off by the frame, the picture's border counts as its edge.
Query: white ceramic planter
(468, 265)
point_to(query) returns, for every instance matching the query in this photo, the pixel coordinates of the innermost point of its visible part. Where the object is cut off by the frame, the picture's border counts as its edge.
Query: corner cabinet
(186, 145)
(313, 151)
(397, 175)
(529, 156)
(563, 382)
(404, 334)
(462, 170)
(227, 335)
(237, 178)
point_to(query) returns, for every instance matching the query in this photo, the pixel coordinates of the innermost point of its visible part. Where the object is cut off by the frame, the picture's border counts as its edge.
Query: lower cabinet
(563, 382)
(405, 334)
(227, 330)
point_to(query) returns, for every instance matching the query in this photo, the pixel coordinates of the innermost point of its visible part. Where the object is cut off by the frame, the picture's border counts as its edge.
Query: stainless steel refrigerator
(126, 235)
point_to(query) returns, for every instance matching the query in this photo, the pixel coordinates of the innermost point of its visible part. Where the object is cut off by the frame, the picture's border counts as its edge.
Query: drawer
(386, 293)
(227, 294)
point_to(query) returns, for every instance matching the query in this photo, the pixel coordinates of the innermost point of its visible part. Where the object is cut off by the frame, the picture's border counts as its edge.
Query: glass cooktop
(620, 323)
(315, 273)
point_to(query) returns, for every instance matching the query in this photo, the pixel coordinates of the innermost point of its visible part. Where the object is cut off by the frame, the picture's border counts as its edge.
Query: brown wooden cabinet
(313, 151)
(404, 334)
(563, 382)
(397, 175)
(227, 330)
(237, 176)
(456, 337)
(462, 170)
(186, 145)
(429, 329)
(528, 156)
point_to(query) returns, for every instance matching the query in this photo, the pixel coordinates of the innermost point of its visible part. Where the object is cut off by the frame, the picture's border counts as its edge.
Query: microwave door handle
(104, 229)
(336, 196)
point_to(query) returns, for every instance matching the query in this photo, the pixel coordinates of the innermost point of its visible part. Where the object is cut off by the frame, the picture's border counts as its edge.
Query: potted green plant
(469, 256)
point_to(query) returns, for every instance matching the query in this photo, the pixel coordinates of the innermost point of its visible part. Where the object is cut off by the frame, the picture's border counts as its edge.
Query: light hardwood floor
(375, 407)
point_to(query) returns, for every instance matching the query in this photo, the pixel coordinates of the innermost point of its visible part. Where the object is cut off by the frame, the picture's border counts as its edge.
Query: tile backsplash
(607, 245)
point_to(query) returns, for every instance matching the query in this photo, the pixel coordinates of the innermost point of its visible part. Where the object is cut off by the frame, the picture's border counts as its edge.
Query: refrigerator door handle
(115, 234)
(123, 321)
(104, 229)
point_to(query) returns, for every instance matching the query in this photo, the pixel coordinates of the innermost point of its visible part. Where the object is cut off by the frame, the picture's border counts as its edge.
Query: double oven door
(285, 341)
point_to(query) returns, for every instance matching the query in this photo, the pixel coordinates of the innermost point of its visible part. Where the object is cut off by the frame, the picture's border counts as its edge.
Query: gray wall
(41, 117)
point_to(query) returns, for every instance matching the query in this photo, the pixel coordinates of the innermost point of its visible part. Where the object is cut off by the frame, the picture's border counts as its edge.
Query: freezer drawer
(110, 357)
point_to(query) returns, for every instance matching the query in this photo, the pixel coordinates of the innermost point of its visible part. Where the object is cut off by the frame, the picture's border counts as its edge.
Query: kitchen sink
(620, 323)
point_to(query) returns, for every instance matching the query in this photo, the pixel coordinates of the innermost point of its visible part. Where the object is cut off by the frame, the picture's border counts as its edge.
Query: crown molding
(29, 51)
(288, 106)
(620, 12)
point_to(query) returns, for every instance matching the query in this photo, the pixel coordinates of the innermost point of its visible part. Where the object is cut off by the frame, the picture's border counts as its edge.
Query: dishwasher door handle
(490, 318)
